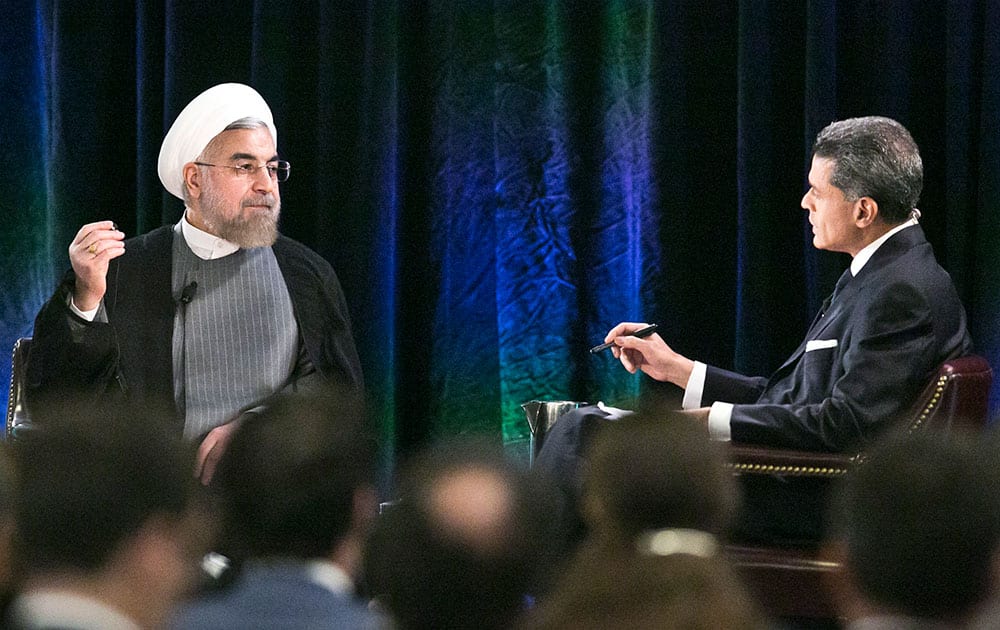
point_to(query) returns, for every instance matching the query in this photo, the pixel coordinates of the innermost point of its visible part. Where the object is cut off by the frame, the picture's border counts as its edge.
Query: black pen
(642, 332)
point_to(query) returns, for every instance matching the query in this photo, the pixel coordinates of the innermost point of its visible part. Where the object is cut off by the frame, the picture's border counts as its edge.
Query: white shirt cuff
(87, 315)
(695, 387)
(718, 421)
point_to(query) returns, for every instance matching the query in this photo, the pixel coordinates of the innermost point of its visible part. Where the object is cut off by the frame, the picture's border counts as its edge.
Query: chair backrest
(17, 414)
(956, 398)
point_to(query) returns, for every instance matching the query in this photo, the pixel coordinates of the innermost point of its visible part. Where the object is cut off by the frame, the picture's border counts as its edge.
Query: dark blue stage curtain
(498, 183)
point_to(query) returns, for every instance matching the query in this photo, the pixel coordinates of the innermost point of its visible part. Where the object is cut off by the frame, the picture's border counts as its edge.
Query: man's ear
(865, 212)
(192, 179)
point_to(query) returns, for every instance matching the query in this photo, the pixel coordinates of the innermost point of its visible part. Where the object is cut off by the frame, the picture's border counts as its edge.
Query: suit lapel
(898, 244)
(830, 310)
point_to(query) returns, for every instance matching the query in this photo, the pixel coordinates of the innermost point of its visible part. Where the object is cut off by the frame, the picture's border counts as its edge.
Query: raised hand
(90, 252)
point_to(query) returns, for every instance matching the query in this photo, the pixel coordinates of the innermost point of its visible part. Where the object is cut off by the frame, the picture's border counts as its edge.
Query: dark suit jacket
(280, 596)
(131, 355)
(862, 363)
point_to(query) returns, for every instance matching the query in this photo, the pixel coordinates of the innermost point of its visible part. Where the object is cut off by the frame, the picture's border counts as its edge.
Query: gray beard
(259, 229)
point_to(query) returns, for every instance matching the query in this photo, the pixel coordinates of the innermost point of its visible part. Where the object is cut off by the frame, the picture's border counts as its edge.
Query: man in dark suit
(296, 497)
(893, 319)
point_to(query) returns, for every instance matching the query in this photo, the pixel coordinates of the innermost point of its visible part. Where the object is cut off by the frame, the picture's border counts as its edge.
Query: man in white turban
(205, 320)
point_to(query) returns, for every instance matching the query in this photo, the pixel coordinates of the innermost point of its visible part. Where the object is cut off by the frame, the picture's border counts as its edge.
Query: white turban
(204, 118)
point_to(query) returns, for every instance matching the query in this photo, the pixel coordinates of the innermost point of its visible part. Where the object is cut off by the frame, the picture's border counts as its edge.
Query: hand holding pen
(639, 347)
(642, 332)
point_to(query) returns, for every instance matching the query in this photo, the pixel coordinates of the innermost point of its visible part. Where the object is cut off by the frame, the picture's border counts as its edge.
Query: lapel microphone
(187, 293)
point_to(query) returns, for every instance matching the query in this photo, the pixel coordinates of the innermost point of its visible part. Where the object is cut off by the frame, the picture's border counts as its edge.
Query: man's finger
(208, 469)
(627, 362)
(623, 328)
(109, 252)
(90, 228)
(203, 451)
(633, 343)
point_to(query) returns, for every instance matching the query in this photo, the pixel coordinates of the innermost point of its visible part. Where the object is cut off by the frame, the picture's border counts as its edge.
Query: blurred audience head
(105, 508)
(658, 501)
(468, 541)
(297, 480)
(670, 579)
(654, 470)
(917, 528)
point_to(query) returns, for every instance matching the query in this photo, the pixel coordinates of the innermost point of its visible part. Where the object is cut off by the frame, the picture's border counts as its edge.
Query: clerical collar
(204, 245)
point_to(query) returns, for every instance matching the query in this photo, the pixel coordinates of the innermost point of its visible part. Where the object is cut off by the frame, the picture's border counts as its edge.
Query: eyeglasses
(278, 171)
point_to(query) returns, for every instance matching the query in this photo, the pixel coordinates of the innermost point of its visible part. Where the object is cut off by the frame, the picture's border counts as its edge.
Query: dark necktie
(828, 302)
(845, 277)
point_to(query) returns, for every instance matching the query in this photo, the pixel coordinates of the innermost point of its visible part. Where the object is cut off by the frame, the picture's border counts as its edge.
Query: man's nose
(262, 180)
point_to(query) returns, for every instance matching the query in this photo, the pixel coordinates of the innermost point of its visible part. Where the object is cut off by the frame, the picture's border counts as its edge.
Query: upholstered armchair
(790, 581)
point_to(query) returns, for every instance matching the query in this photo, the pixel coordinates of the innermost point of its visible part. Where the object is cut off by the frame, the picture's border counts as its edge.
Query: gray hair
(874, 157)
(248, 122)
